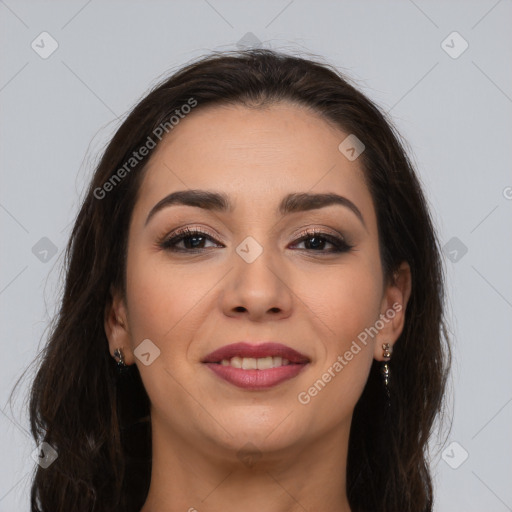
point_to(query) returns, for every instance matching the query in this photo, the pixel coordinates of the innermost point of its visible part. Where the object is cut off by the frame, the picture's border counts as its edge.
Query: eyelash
(169, 244)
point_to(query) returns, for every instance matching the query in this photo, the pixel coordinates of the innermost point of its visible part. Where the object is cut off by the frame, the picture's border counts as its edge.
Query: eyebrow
(220, 202)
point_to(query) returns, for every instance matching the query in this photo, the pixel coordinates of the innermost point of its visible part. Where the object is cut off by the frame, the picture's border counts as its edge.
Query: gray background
(455, 113)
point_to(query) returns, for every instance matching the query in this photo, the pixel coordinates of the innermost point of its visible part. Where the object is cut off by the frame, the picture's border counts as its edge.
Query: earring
(121, 365)
(385, 370)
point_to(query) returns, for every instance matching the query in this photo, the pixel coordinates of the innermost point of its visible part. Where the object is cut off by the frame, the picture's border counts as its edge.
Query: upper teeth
(251, 363)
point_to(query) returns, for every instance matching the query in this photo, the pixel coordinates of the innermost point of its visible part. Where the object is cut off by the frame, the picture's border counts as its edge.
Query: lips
(262, 350)
(256, 367)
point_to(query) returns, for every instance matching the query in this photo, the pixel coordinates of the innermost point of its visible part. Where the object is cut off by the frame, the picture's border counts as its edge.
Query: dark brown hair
(100, 424)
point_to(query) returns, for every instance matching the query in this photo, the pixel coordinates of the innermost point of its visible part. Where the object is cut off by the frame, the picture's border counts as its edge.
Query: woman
(253, 308)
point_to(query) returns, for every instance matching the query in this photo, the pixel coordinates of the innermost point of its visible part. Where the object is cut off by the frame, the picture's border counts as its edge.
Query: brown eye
(193, 240)
(316, 240)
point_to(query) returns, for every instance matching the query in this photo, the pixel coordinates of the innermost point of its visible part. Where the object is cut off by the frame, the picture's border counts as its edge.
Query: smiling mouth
(256, 373)
(250, 356)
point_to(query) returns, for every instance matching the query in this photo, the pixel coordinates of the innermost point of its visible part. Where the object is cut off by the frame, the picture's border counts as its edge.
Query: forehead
(254, 155)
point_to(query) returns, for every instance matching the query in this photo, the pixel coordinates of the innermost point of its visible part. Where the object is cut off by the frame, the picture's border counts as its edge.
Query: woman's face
(253, 276)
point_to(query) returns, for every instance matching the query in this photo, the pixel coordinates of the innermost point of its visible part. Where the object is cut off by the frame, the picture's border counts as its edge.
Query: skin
(313, 300)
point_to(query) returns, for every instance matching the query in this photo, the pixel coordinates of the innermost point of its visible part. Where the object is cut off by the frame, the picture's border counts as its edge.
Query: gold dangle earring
(385, 370)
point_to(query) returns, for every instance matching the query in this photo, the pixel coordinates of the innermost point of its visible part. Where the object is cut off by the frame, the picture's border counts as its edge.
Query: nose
(258, 290)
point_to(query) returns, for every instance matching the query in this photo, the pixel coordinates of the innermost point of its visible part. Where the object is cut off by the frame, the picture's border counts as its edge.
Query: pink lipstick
(255, 367)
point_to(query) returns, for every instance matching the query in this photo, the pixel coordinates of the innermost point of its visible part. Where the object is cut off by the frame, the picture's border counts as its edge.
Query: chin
(267, 428)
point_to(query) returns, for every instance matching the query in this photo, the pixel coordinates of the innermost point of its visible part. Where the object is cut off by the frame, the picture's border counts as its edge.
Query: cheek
(346, 300)
(164, 303)
(161, 297)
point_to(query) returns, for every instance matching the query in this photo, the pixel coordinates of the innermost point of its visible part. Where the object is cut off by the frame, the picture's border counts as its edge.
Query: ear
(116, 326)
(393, 307)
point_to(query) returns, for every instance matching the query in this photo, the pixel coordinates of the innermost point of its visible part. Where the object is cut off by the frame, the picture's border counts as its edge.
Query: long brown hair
(99, 423)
